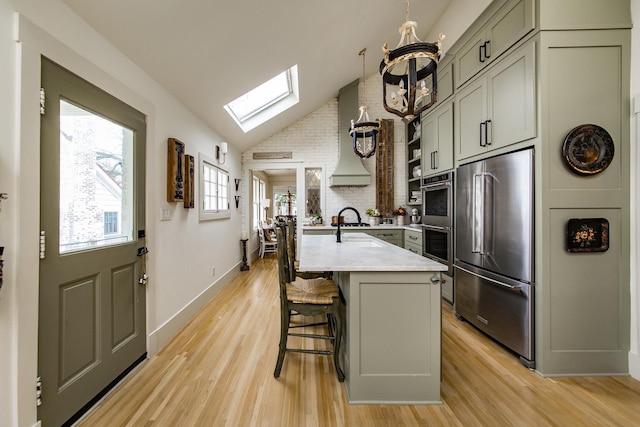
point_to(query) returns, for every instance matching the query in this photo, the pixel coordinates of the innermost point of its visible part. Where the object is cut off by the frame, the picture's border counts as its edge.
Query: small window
(110, 223)
(265, 101)
(214, 190)
(313, 187)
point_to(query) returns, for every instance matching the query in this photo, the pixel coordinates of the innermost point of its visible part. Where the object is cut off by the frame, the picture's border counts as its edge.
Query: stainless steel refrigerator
(494, 266)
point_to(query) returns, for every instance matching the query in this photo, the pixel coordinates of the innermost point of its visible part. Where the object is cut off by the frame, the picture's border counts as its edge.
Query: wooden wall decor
(189, 184)
(385, 169)
(175, 171)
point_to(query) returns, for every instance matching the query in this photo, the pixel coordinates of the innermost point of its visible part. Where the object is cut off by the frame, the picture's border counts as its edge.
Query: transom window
(265, 101)
(214, 190)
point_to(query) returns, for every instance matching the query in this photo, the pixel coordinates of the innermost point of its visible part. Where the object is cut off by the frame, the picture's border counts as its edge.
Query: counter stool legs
(285, 318)
(334, 324)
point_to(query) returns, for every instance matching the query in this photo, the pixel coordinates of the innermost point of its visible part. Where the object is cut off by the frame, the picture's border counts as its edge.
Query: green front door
(91, 304)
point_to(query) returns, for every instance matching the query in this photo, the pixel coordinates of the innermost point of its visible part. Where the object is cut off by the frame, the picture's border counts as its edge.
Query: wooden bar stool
(306, 298)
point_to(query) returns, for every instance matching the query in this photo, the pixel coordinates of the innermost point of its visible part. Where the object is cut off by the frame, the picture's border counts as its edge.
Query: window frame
(212, 214)
(271, 107)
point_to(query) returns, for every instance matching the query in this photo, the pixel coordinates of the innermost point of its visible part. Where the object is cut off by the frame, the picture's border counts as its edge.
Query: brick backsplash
(314, 139)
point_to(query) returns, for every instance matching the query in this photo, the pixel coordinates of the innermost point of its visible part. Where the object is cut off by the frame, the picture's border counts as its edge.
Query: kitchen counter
(323, 253)
(373, 227)
(391, 350)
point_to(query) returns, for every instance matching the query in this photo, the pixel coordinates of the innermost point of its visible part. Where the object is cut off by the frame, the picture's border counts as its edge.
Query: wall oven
(437, 219)
(437, 200)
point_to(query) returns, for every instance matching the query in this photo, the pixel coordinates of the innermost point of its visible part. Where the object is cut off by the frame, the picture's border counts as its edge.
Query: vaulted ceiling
(209, 52)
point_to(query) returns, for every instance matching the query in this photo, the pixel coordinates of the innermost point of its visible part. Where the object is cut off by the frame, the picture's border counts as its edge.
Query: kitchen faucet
(339, 214)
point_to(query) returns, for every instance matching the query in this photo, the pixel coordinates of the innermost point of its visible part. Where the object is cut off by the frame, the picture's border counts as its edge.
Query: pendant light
(364, 131)
(409, 79)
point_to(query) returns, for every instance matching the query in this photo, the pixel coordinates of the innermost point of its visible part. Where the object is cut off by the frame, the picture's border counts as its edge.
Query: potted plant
(400, 214)
(374, 216)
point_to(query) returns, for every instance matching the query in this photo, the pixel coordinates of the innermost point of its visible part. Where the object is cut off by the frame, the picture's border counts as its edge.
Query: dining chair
(267, 244)
(309, 299)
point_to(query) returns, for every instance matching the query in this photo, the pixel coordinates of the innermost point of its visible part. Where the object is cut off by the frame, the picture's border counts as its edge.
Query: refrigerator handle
(488, 210)
(477, 229)
(504, 285)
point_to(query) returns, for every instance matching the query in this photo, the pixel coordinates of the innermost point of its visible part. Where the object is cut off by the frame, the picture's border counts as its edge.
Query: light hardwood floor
(218, 371)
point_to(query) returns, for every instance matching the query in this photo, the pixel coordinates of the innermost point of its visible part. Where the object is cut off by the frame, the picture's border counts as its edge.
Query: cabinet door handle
(435, 158)
(487, 49)
(483, 133)
(488, 137)
(481, 55)
(431, 165)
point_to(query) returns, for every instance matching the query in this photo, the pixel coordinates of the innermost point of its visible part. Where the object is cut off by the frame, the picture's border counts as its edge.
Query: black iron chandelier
(364, 131)
(409, 78)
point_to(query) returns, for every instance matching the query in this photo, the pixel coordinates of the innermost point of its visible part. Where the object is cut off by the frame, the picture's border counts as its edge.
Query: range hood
(350, 172)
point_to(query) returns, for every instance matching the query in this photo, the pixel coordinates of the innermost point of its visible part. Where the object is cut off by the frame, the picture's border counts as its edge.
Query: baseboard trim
(159, 337)
(634, 365)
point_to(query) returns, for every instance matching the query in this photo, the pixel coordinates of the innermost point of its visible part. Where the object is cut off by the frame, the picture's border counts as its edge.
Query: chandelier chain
(364, 77)
(407, 12)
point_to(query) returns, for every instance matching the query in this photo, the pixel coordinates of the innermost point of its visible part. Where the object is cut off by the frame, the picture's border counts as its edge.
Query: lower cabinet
(447, 287)
(391, 236)
(413, 241)
(392, 351)
(319, 232)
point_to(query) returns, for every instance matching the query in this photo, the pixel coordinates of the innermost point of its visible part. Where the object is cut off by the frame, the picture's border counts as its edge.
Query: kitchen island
(391, 349)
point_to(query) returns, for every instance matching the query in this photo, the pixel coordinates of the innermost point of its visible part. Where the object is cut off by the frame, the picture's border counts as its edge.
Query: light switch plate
(165, 214)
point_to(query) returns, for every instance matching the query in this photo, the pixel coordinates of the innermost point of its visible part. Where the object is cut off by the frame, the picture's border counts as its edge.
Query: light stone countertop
(374, 227)
(359, 252)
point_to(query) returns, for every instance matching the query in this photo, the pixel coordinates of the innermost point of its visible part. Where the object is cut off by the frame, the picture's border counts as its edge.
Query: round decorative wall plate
(588, 149)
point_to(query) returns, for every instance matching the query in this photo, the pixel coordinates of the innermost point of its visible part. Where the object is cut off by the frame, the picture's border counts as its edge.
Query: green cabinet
(413, 241)
(445, 81)
(318, 231)
(499, 107)
(393, 236)
(437, 140)
(510, 23)
(447, 288)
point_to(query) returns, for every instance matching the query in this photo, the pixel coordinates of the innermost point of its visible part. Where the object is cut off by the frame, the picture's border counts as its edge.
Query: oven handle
(443, 184)
(436, 227)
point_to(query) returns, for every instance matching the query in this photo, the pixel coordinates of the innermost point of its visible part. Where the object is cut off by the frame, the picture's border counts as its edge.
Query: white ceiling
(209, 52)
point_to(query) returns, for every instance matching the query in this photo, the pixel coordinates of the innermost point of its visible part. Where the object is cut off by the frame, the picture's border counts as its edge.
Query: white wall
(8, 309)
(182, 250)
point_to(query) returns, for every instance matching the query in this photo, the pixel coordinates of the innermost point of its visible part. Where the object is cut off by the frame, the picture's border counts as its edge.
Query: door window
(96, 180)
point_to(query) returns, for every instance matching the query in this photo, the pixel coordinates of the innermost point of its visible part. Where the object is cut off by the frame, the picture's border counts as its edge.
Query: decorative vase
(400, 220)
(374, 220)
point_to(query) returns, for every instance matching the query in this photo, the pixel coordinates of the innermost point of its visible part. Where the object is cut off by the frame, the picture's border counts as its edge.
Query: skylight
(265, 101)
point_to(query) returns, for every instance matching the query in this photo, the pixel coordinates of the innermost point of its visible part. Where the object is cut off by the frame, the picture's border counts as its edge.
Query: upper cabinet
(509, 24)
(444, 71)
(437, 139)
(499, 108)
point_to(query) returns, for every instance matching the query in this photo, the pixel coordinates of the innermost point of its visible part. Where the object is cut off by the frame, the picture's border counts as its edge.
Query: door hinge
(42, 244)
(42, 95)
(38, 391)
